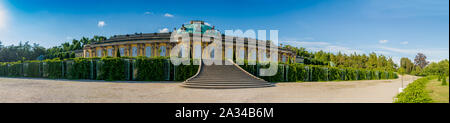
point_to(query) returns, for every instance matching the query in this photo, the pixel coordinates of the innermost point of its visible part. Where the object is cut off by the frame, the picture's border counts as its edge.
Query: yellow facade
(156, 48)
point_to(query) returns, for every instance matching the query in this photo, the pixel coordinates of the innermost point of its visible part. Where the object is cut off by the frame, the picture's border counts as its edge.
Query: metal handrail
(196, 74)
(245, 71)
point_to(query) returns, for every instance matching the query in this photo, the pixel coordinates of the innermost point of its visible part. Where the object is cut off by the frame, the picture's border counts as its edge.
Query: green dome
(196, 27)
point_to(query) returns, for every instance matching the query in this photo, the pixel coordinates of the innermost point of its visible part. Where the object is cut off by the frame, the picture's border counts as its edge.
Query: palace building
(159, 44)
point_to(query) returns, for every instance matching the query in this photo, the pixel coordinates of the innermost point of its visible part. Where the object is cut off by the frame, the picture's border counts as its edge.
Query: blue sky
(395, 28)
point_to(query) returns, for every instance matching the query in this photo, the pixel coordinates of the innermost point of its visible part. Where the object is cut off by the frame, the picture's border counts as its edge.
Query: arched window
(163, 51)
(241, 54)
(197, 52)
(110, 52)
(134, 51)
(99, 53)
(122, 51)
(212, 53)
(229, 53)
(148, 51)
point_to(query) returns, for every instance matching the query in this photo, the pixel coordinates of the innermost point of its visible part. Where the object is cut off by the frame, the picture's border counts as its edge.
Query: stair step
(196, 82)
(224, 77)
(226, 87)
(227, 84)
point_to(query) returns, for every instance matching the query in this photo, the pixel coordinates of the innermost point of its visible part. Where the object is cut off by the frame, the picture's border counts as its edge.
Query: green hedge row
(415, 92)
(107, 68)
(301, 72)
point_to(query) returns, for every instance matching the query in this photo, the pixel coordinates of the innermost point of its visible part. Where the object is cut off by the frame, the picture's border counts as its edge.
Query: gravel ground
(68, 91)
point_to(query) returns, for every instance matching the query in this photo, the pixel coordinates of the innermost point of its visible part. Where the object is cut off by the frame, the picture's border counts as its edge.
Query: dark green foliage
(152, 69)
(107, 68)
(3, 69)
(112, 69)
(415, 92)
(160, 69)
(444, 80)
(15, 69)
(81, 68)
(53, 69)
(183, 72)
(32, 69)
(301, 72)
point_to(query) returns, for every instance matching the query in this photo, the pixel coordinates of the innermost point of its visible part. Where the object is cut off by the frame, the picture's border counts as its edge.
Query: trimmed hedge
(415, 92)
(313, 73)
(106, 68)
(183, 72)
(152, 69)
(81, 68)
(161, 69)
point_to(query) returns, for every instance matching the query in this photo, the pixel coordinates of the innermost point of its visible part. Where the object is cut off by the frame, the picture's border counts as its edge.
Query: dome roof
(195, 27)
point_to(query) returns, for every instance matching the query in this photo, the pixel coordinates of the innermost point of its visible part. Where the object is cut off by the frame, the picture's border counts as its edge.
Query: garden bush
(32, 69)
(415, 92)
(112, 69)
(153, 69)
(53, 69)
(160, 69)
(183, 72)
(301, 72)
(81, 68)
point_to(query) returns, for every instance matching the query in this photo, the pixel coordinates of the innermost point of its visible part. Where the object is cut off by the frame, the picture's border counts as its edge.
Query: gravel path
(44, 90)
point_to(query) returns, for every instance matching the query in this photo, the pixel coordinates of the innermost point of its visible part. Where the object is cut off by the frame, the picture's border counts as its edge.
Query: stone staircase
(224, 77)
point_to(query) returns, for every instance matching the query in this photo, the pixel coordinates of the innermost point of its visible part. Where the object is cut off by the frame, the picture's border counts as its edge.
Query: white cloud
(415, 51)
(165, 30)
(398, 50)
(433, 54)
(305, 43)
(101, 24)
(382, 52)
(404, 42)
(148, 13)
(168, 15)
(336, 49)
(383, 41)
(324, 46)
(207, 24)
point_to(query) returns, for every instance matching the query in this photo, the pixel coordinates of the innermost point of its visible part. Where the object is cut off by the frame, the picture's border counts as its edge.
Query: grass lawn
(437, 92)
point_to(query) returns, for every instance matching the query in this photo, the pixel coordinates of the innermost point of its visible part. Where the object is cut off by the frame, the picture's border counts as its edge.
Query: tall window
(283, 58)
(148, 51)
(264, 56)
(87, 54)
(163, 51)
(252, 55)
(197, 52)
(241, 54)
(134, 51)
(122, 51)
(183, 51)
(99, 53)
(229, 53)
(212, 53)
(110, 52)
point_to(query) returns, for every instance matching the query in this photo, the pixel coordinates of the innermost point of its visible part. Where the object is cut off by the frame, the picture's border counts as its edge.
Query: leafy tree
(24, 51)
(444, 80)
(421, 60)
(117, 53)
(406, 64)
(354, 60)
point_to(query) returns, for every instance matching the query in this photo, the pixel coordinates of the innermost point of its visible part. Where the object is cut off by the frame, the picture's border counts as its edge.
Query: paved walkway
(44, 90)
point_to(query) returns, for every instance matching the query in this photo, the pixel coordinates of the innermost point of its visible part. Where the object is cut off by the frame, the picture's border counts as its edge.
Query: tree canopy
(25, 51)
(371, 61)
